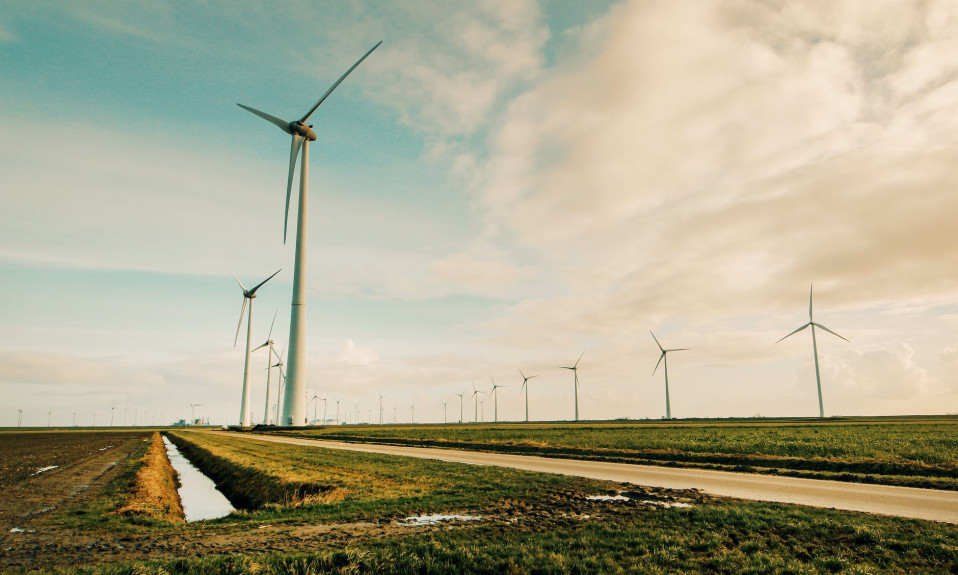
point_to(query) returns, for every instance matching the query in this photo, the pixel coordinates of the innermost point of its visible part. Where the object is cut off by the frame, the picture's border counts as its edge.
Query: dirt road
(929, 504)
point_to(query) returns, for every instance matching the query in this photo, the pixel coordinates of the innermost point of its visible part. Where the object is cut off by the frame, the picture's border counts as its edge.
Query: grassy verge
(916, 452)
(154, 489)
(367, 486)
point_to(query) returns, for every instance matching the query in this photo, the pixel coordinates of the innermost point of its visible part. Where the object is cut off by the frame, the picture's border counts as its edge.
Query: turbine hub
(299, 128)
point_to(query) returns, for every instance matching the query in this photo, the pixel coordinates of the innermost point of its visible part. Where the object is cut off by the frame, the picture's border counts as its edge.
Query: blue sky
(501, 185)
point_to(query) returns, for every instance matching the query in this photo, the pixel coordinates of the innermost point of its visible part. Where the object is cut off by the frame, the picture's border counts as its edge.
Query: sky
(502, 185)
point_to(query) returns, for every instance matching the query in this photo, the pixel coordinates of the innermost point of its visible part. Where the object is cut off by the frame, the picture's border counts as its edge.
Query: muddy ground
(32, 512)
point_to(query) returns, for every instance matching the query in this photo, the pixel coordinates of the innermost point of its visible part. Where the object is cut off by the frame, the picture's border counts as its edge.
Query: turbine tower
(248, 294)
(475, 392)
(575, 372)
(269, 364)
(460, 403)
(381, 396)
(665, 356)
(525, 386)
(811, 322)
(294, 404)
(495, 398)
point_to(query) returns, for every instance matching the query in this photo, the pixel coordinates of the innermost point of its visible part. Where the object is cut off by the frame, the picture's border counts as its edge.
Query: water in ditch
(198, 494)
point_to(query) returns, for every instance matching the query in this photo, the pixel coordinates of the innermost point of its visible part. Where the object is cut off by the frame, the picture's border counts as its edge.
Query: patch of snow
(17, 530)
(42, 469)
(433, 519)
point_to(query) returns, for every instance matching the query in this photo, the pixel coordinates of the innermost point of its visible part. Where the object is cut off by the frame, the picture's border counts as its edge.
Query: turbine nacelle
(299, 128)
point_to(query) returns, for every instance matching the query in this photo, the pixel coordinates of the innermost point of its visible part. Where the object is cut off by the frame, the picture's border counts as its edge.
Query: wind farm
(481, 191)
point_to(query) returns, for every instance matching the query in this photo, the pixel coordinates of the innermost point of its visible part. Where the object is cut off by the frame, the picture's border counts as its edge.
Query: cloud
(357, 355)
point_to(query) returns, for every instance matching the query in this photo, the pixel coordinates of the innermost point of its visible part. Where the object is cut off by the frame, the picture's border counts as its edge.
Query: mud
(50, 547)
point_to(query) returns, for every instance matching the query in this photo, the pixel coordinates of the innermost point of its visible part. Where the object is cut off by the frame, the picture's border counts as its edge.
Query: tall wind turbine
(811, 322)
(460, 403)
(495, 398)
(269, 364)
(381, 396)
(574, 368)
(665, 356)
(248, 295)
(444, 419)
(525, 386)
(294, 408)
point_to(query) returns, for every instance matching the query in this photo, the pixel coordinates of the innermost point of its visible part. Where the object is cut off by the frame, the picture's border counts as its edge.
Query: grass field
(350, 509)
(919, 451)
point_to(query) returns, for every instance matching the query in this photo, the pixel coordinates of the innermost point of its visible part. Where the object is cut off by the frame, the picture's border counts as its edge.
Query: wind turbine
(248, 295)
(294, 410)
(269, 364)
(381, 396)
(575, 372)
(811, 322)
(460, 403)
(282, 380)
(475, 392)
(525, 385)
(495, 398)
(664, 356)
(444, 419)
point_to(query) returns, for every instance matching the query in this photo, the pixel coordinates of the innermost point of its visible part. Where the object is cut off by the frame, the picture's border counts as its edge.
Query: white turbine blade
(524, 384)
(678, 349)
(270, 336)
(576, 364)
(295, 146)
(658, 362)
(338, 82)
(520, 373)
(242, 287)
(828, 330)
(810, 288)
(242, 311)
(259, 347)
(796, 331)
(281, 124)
(657, 341)
(260, 284)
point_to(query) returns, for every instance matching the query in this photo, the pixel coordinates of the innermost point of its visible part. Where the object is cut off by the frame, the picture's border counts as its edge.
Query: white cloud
(356, 354)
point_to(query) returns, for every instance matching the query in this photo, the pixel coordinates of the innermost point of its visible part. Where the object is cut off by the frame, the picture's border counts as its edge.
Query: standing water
(198, 494)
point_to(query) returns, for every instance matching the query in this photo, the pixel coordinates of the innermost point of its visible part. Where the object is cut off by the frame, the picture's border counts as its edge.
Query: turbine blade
(658, 362)
(238, 326)
(796, 331)
(260, 347)
(829, 331)
(282, 124)
(656, 341)
(260, 284)
(338, 82)
(295, 146)
(520, 373)
(576, 364)
(810, 287)
(678, 349)
(270, 336)
(242, 287)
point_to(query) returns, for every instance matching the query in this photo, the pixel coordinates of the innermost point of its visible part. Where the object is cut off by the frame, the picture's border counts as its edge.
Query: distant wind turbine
(811, 322)
(495, 398)
(525, 386)
(475, 392)
(269, 363)
(381, 396)
(665, 356)
(294, 408)
(460, 403)
(248, 295)
(444, 419)
(575, 372)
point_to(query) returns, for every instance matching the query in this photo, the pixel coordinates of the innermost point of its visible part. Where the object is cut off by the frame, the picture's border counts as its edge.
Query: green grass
(727, 537)
(904, 451)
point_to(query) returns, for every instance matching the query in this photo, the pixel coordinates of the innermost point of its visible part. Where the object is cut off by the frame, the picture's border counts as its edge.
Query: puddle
(434, 519)
(198, 494)
(18, 530)
(666, 504)
(607, 498)
(42, 469)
